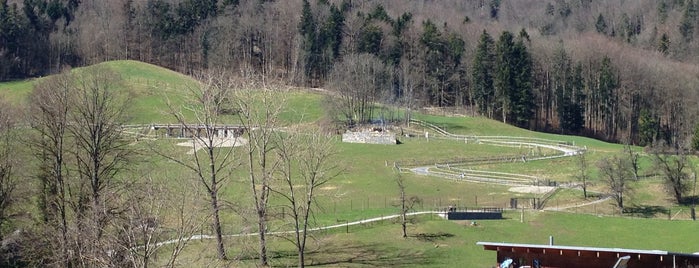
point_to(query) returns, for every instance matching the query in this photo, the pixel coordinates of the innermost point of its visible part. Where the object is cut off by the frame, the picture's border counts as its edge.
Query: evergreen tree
(321, 40)
(664, 44)
(523, 102)
(689, 18)
(568, 87)
(513, 80)
(494, 9)
(482, 75)
(576, 110)
(662, 11)
(601, 24)
(607, 94)
(333, 30)
(695, 138)
(442, 62)
(562, 87)
(648, 128)
(504, 74)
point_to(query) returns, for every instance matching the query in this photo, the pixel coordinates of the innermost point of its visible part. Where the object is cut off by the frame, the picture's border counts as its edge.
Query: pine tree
(523, 101)
(607, 96)
(576, 111)
(648, 128)
(504, 75)
(664, 44)
(513, 80)
(482, 75)
(307, 29)
(562, 87)
(601, 25)
(688, 19)
(662, 11)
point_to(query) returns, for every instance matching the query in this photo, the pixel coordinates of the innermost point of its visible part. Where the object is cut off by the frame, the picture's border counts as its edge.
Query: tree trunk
(262, 225)
(217, 225)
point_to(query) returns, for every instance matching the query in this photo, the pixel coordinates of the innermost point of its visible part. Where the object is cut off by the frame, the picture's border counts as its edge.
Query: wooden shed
(549, 256)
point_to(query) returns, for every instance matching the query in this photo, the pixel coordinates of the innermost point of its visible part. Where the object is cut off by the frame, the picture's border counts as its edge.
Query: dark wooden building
(549, 256)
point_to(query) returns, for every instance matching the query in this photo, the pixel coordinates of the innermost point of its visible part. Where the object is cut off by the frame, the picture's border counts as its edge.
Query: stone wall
(369, 137)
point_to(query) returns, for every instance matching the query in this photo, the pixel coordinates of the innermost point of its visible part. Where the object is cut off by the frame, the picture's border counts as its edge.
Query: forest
(622, 71)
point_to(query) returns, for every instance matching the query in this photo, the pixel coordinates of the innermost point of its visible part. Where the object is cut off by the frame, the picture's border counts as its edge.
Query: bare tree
(141, 222)
(81, 151)
(97, 112)
(212, 168)
(308, 163)
(358, 81)
(583, 176)
(633, 158)
(409, 82)
(675, 172)
(403, 207)
(159, 217)
(8, 162)
(406, 203)
(616, 174)
(261, 124)
(48, 114)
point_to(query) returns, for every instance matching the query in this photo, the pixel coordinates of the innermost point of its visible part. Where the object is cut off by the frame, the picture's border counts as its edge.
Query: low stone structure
(372, 137)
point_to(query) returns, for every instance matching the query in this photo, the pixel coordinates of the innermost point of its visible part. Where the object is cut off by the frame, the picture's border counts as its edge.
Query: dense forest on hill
(618, 70)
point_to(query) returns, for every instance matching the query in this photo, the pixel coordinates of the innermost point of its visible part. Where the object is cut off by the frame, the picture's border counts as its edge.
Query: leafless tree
(78, 118)
(406, 203)
(200, 117)
(158, 217)
(307, 163)
(97, 112)
(48, 114)
(616, 174)
(583, 176)
(81, 153)
(358, 81)
(408, 78)
(9, 195)
(633, 158)
(675, 170)
(261, 125)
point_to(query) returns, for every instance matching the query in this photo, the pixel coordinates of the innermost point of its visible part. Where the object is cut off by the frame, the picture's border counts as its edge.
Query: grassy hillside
(367, 188)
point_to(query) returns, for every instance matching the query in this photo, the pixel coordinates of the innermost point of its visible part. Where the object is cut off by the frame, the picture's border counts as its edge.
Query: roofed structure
(549, 256)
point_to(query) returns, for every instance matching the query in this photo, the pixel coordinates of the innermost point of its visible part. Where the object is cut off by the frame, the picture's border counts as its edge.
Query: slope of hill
(367, 189)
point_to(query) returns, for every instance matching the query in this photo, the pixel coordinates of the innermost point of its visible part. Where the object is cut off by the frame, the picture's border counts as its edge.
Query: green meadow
(366, 188)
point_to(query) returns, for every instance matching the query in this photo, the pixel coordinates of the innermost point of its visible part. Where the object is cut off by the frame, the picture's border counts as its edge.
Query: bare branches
(206, 105)
(8, 163)
(358, 81)
(261, 126)
(308, 163)
(675, 172)
(81, 150)
(616, 174)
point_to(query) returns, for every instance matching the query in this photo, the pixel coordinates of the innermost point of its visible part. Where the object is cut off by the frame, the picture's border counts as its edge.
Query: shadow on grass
(432, 237)
(645, 211)
(372, 255)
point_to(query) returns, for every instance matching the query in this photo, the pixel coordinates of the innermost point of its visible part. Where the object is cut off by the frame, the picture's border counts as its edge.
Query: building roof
(587, 257)
(488, 245)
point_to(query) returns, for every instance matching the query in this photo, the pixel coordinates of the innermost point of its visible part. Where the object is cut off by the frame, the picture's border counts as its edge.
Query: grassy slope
(434, 242)
(367, 186)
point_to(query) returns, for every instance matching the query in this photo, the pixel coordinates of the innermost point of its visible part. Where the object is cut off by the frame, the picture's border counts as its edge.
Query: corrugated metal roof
(557, 247)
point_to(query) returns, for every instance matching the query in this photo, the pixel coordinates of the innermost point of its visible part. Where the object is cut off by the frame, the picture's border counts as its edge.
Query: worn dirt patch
(197, 144)
(532, 189)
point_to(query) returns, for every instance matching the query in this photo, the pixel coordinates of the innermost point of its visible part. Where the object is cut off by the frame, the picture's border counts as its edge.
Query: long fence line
(461, 168)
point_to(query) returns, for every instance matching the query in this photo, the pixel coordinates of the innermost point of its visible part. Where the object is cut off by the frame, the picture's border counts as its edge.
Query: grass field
(366, 188)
